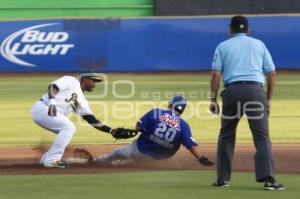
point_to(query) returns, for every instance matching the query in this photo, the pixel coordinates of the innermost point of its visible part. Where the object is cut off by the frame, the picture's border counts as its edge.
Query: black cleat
(221, 184)
(273, 186)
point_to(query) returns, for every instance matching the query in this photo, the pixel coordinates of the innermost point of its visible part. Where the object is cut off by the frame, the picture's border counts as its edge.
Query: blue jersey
(163, 131)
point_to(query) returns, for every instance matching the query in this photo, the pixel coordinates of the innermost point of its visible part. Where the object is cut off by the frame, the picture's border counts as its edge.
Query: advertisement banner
(135, 45)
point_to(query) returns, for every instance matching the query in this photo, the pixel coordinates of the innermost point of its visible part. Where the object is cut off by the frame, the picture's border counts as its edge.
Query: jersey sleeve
(64, 82)
(268, 64)
(217, 61)
(84, 108)
(188, 141)
(144, 122)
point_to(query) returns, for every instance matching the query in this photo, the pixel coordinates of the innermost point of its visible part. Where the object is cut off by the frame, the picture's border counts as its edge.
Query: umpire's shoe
(273, 186)
(56, 164)
(221, 184)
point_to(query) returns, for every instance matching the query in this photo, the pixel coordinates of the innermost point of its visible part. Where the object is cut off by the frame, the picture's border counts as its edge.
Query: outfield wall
(135, 45)
(222, 7)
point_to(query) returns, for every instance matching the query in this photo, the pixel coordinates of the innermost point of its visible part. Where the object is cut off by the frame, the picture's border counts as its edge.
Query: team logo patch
(73, 101)
(170, 121)
(215, 58)
(34, 42)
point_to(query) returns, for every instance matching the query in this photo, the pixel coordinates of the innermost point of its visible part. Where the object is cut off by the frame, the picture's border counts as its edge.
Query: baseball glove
(82, 153)
(205, 161)
(124, 133)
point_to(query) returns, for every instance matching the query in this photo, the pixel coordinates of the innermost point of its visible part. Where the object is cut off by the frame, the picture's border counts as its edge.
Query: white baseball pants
(60, 124)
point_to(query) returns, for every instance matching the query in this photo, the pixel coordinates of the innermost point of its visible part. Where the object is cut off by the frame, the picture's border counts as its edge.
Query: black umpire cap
(239, 23)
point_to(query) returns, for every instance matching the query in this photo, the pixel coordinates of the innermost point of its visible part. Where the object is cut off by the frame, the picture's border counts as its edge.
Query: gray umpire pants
(251, 100)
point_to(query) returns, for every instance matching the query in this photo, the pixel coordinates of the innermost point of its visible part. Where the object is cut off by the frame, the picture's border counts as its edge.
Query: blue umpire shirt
(242, 58)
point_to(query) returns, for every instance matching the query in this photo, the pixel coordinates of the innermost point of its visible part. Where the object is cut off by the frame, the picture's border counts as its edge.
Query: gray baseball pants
(251, 100)
(124, 155)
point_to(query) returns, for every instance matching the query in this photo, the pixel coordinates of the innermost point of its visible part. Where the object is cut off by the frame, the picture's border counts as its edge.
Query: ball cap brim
(96, 77)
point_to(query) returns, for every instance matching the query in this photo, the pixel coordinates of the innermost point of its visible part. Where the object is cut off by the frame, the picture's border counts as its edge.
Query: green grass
(33, 9)
(145, 185)
(18, 93)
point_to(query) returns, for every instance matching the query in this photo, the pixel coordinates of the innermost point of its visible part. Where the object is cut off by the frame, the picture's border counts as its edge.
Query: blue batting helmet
(178, 103)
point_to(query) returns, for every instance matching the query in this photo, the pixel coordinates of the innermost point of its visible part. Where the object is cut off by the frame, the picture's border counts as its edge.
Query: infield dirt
(25, 160)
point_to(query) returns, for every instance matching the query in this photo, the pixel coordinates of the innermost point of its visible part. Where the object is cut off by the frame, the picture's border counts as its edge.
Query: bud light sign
(35, 41)
(134, 45)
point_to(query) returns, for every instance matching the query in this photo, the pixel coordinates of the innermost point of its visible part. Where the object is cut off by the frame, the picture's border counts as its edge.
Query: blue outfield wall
(135, 45)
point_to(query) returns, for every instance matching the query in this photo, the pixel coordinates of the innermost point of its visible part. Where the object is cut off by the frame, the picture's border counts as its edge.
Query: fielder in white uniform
(65, 95)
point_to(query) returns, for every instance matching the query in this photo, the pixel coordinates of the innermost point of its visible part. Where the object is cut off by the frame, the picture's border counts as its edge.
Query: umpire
(243, 62)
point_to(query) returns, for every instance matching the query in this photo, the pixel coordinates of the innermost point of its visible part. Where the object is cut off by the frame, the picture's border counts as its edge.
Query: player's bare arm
(214, 87)
(271, 79)
(52, 91)
(195, 152)
(202, 159)
(118, 133)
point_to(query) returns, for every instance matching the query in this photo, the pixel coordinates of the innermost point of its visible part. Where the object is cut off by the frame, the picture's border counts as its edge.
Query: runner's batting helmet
(178, 103)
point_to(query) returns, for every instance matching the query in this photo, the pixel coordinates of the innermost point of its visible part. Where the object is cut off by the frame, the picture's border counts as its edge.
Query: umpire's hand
(214, 107)
(52, 110)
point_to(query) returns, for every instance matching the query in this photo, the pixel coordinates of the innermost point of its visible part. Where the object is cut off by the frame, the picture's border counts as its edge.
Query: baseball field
(120, 101)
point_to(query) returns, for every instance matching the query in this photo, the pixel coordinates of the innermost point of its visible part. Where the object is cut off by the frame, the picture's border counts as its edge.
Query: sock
(269, 179)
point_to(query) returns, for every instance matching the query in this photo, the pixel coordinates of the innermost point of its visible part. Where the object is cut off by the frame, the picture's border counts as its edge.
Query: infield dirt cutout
(25, 160)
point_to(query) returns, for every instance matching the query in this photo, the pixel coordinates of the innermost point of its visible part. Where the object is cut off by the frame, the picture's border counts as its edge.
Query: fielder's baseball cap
(239, 22)
(96, 77)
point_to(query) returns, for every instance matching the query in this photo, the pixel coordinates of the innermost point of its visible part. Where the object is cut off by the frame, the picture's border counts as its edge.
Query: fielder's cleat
(221, 184)
(57, 164)
(273, 186)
